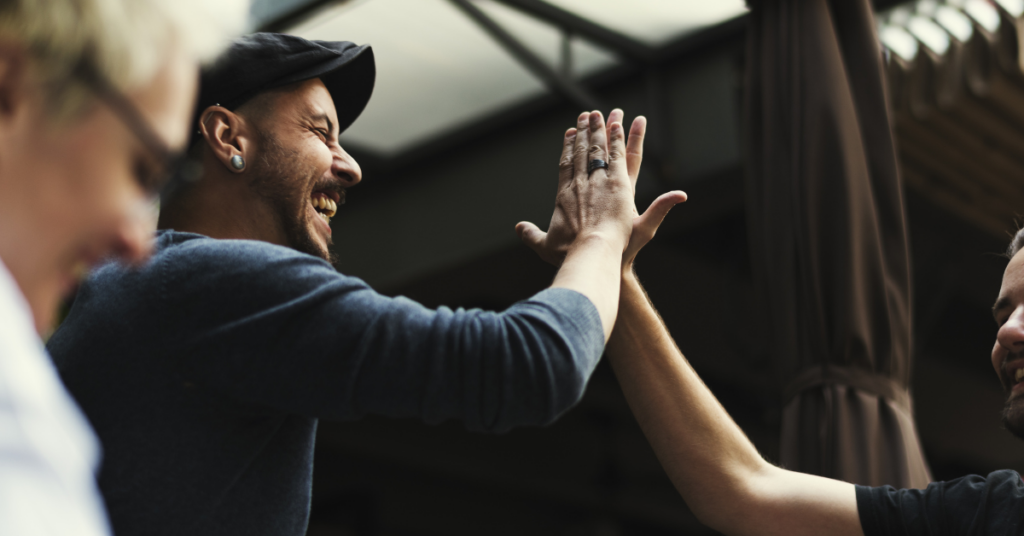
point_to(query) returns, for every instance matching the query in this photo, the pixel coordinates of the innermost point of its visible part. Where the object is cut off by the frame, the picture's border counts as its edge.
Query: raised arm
(719, 473)
(716, 469)
(593, 215)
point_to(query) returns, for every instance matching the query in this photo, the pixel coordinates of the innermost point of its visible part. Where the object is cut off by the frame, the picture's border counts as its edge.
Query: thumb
(651, 219)
(531, 235)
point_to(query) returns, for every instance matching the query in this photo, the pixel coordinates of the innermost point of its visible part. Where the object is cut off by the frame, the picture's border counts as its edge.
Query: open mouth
(325, 204)
(1014, 373)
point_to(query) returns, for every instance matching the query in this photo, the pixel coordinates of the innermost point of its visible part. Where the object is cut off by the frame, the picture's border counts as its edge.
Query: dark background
(436, 224)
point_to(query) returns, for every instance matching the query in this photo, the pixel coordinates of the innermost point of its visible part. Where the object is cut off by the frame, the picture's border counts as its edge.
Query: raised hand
(644, 225)
(553, 245)
(587, 203)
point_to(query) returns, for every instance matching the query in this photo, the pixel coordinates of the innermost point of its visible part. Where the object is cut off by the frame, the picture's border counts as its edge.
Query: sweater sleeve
(968, 506)
(273, 328)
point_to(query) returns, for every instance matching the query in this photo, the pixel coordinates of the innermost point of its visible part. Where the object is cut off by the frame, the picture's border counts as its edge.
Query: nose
(1009, 339)
(345, 168)
(1011, 334)
(133, 240)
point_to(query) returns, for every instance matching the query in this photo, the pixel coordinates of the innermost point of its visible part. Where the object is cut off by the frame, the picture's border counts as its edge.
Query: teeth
(325, 204)
(1019, 374)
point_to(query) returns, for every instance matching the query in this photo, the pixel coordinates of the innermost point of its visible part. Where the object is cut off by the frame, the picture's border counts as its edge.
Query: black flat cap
(264, 61)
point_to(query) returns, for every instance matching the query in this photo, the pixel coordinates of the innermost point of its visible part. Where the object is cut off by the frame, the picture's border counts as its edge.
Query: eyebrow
(323, 117)
(1001, 303)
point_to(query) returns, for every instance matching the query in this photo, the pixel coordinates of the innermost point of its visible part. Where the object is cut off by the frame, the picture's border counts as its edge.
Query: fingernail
(571, 133)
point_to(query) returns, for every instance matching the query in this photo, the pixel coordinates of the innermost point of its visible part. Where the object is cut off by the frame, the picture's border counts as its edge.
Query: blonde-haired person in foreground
(95, 100)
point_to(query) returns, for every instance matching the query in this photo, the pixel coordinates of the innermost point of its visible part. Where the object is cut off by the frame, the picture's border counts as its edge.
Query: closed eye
(323, 134)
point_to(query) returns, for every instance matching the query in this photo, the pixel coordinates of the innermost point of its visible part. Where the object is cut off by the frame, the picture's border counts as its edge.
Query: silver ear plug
(237, 162)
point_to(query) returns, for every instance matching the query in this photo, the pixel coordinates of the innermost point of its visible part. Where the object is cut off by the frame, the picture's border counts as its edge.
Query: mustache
(334, 188)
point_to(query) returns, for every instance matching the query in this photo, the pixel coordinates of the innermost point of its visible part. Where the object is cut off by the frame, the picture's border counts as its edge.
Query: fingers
(531, 235)
(565, 167)
(582, 144)
(616, 150)
(655, 214)
(615, 116)
(598, 138)
(645, 226)
(635, 148)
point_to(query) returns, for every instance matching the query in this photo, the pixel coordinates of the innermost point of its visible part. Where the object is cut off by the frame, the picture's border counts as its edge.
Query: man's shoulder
(992, 504)
(188, 255)
(190, 265)
(194, 249)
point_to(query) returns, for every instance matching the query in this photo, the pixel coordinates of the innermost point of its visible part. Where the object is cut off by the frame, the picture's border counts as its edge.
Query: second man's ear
(226, 134)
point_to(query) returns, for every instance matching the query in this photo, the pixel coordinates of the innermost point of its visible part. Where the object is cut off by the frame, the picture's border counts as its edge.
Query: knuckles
(595, 151)
(565, 164)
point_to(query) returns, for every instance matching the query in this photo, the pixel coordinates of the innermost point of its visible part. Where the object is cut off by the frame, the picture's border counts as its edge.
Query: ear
(227, 134)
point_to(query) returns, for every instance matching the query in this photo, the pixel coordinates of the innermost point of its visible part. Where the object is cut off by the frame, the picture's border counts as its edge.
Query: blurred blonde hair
(126, 41)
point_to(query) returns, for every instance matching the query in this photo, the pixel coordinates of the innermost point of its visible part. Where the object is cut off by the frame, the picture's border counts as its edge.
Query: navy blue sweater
(967, 506)
(205, 371)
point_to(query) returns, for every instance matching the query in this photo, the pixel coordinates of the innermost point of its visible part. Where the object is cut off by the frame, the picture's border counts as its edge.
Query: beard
(277, 172)
(1013, 416)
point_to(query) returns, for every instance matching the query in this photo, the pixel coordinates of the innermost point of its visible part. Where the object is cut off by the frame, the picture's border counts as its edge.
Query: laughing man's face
(1008, 351)
(301, 169)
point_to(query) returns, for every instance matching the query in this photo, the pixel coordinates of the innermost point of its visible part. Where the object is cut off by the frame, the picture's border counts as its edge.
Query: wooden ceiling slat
(950, 178)
(955, 161)
(974, 213)
(1006, 96)
(977, 143)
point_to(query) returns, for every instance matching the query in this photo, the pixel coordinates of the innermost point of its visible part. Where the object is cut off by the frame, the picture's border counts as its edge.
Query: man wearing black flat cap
(204, 372)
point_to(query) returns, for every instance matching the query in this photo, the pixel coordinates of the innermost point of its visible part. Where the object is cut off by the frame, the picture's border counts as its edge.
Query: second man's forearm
(704, 452)
(716, 469)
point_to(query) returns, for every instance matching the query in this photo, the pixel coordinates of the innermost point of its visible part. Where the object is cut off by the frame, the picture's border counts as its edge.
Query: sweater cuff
(582, 316)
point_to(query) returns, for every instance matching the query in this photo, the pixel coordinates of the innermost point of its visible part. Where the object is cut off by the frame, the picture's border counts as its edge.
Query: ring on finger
(596, 163)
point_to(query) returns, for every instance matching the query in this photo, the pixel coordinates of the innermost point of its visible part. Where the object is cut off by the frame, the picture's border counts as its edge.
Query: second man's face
(302, 171)
(1008, 350)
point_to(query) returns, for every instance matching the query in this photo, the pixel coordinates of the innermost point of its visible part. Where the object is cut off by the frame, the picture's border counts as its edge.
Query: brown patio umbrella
(829, 241)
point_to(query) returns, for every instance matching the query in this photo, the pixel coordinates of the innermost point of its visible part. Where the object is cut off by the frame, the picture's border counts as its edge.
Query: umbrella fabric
(828, 241)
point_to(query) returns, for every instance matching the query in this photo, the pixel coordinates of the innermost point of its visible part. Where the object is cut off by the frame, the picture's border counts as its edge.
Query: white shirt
(48, 452)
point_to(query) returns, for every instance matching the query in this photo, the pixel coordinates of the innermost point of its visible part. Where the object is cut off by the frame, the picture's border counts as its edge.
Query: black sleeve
(972, 505)
(273, 328)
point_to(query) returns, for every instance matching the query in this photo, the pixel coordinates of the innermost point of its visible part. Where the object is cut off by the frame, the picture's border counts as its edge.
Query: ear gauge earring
(237, 163)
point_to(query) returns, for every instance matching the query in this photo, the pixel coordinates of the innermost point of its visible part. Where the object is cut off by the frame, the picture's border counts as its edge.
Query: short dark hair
(1016, 244)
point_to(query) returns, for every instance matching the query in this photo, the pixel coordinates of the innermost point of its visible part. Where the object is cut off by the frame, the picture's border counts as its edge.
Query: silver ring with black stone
(596, 163)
